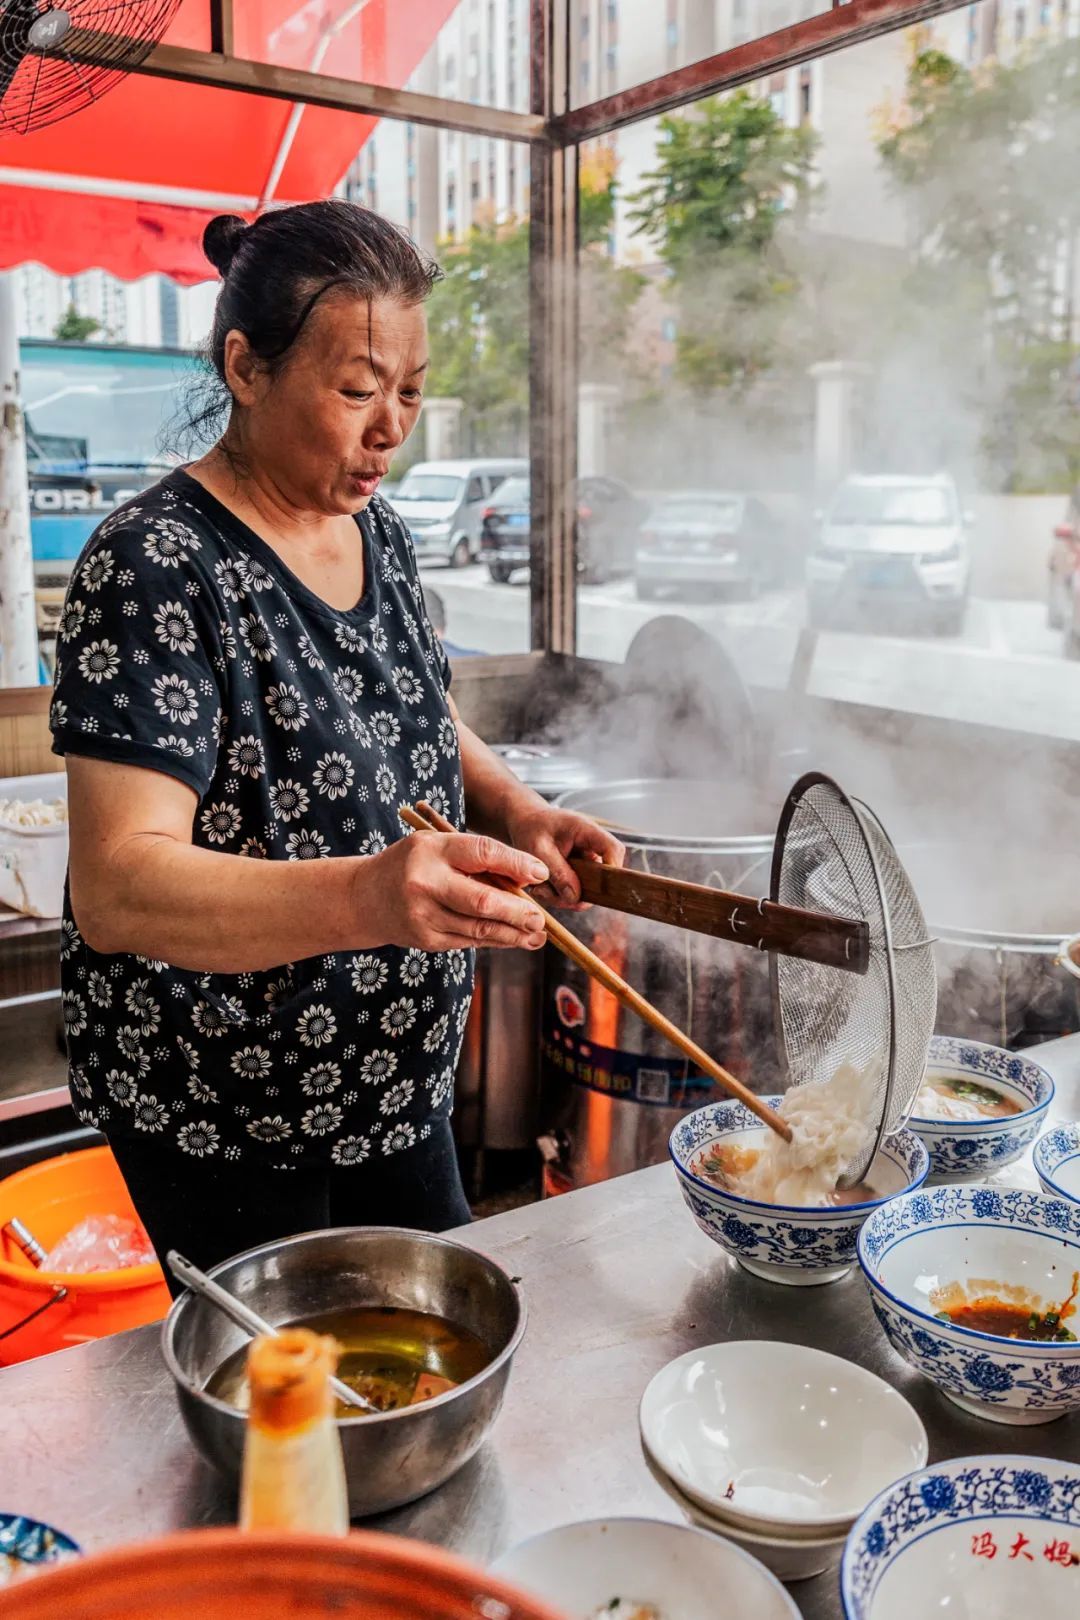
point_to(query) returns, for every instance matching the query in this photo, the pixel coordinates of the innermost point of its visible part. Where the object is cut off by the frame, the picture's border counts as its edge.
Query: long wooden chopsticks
(423, 818)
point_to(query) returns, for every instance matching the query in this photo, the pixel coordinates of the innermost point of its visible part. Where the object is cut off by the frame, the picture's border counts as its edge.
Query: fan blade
(16, 20)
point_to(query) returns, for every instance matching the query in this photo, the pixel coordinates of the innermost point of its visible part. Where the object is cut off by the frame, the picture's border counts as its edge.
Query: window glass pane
(107, 362)
(474, 50)
(621, 43)
(835, 316)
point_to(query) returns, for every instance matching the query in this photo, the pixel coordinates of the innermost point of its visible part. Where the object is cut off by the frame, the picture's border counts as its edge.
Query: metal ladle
(246, 1318)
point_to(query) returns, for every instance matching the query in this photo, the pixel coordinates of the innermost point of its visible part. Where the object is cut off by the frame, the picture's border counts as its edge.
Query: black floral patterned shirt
(187, 646)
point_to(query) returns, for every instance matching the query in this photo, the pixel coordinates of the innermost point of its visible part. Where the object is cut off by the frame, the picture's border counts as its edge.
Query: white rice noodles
(831, 1122)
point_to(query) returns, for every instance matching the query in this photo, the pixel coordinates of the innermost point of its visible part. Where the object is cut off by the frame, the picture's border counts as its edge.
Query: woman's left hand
(553, 836)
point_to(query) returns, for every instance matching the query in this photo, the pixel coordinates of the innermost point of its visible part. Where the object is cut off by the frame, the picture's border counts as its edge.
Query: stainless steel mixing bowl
(393, 1457)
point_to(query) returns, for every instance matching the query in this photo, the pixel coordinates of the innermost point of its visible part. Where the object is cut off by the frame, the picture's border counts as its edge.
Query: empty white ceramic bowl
(779, 1439)
(789, 1558)
(684, 1572)
(1057, 1162)
(977, 1236)
(970, 1149)
(782, 1243)
(981, 1538)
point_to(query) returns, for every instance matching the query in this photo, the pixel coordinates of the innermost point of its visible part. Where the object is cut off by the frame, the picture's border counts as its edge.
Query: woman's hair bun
(221, 239)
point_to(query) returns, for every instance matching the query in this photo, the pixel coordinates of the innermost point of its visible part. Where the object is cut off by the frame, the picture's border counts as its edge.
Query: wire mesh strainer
(833, 855)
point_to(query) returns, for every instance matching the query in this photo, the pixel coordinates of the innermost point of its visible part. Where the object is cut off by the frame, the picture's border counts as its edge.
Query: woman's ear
(242, 371)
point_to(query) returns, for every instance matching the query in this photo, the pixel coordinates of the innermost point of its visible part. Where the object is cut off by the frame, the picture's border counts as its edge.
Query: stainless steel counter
(618, 1280)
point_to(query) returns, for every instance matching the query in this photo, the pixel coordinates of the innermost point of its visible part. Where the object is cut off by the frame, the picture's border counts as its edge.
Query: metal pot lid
(677, 815)
(548, 770)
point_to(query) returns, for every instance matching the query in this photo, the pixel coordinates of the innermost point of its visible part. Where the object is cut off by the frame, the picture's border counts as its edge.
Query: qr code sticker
(653, 1085)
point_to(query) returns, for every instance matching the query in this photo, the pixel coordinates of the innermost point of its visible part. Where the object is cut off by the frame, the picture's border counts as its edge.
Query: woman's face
(326, 428)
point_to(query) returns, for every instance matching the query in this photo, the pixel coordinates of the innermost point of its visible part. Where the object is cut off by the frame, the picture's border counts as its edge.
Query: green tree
(75, 328)
(729, 176)
(985, 159)
(478, 317)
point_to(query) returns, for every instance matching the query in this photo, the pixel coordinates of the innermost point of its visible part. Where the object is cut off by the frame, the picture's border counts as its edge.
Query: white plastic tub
(33, 860)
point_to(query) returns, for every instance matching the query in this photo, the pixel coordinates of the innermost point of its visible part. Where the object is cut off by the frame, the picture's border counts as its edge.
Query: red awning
(128, 184)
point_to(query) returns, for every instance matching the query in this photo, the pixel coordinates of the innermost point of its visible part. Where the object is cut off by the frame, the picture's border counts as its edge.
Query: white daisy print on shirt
(369, 973)
(143, 1008)
(334, 775)
(99, 990)
(270, 1129)
(408, 684)
(122, 1088)
(373, 844)
(73, 1009)
(175, 699)
(175, 628)
(320, 1079)
(424, 760)
(414, 969)
(98, 570)
(321, 1119)
(376, 1067)
(448, 737)
(220, 822)
(230, 580)
(246, 757)
(398, 1017)
(99, 661)
(316, 1026)
(150, 1115)
(170, 543)
(350, 638)
(436, 1035)
(349, 684)
(308, 652)
(395, 1098)
(256, 575)
(199, 1138)
(402, 1136)
(287, 707)
(176, 745)
(253, 1063)
(386, 784)
(71, 620)
(256, 636)
(288, 800)
(306, 845)
(351, 1149)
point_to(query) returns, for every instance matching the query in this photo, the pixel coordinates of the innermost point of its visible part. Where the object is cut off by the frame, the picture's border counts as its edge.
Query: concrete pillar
(18, 615)
(596, 413)
(442, 418)
(836, 419)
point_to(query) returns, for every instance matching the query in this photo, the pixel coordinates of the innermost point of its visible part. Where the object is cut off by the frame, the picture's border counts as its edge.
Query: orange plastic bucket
(50, 1198)
(223, 1574)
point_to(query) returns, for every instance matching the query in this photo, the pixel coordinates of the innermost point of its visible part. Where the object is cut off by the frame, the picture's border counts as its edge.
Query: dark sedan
(708, 541)
(609, 518)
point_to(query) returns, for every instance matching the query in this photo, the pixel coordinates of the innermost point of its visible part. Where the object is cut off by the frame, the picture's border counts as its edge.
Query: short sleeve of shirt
(139, 648)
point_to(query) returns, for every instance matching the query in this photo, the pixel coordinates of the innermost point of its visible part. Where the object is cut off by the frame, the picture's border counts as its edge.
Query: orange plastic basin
(50, 1198)
(225, 1574)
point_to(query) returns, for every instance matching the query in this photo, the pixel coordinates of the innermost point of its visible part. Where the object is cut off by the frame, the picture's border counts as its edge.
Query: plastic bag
(100, 1243)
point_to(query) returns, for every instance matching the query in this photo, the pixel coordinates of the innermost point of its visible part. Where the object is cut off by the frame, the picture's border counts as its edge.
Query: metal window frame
(553, 131)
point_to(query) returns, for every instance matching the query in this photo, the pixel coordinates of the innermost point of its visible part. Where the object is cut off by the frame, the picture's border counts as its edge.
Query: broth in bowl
(956, 1097)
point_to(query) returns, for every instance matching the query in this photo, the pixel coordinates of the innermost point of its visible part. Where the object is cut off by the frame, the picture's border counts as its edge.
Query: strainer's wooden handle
(424, 819)
(812, 935)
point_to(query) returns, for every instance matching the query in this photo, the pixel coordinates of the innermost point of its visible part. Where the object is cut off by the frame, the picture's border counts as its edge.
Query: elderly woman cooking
(265, 981)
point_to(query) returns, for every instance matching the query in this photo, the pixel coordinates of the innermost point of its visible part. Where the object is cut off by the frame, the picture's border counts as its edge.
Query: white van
(442, 503)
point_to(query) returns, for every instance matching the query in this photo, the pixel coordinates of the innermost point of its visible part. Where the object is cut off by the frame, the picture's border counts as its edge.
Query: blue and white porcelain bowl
(982, 1239)
(1057, 1161)
(783, 1243)
(981, 1538)
(972, 1149)
(27, 1545)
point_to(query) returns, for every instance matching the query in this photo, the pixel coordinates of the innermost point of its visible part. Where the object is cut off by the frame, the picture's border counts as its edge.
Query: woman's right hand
(426, 891)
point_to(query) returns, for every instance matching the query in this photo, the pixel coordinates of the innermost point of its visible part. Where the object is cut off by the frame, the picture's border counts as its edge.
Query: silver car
(442, 503)
(895, 544)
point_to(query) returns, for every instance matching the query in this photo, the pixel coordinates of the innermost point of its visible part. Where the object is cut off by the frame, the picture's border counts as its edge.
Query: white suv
(899, 544)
